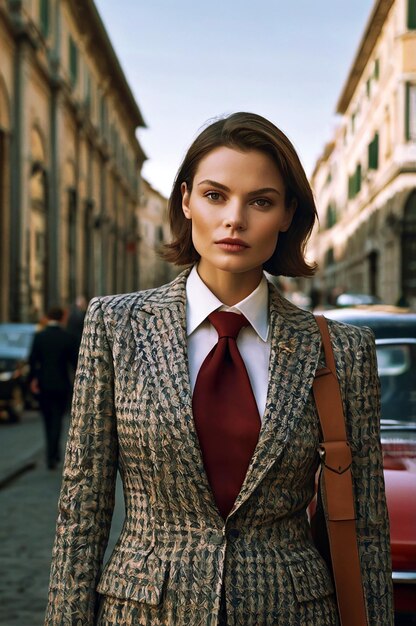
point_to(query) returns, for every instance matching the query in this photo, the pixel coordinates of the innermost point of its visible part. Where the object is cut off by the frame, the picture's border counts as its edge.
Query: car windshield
(397, 371)
(15, 339)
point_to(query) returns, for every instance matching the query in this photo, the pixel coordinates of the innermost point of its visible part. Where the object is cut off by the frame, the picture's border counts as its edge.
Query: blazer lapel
(294, 356)
(159, 328)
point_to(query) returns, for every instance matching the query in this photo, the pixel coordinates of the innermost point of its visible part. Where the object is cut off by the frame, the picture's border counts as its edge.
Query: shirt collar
(200, 302)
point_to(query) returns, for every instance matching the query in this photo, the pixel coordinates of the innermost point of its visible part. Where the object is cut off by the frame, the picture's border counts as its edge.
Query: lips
(233, 242)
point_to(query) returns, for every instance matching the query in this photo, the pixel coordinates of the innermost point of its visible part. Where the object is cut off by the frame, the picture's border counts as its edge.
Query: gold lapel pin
(290, 347)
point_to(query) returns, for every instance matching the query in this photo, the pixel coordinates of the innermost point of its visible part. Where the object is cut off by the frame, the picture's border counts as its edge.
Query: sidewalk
(21, 445)
(28, 510)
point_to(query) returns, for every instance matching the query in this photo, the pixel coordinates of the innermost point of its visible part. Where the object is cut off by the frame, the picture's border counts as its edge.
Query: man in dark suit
(52, 362)
(75, 322)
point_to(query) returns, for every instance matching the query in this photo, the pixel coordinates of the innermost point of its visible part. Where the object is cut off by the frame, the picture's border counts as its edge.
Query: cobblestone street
(28, 506)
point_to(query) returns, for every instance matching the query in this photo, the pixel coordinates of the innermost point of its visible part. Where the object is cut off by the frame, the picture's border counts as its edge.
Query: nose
(235, 217)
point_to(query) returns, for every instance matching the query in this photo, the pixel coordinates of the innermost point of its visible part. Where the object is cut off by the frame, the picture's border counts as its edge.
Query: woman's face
(237, 208)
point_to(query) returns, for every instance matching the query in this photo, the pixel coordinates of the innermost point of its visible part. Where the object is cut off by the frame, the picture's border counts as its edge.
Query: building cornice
(151, 189)
(323, 158)
(368, 41)
(86, 14)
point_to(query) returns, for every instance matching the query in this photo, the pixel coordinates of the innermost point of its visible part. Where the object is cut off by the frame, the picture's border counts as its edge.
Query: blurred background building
(76, 217)
(365, 180)
(154, 231)
(70, 162)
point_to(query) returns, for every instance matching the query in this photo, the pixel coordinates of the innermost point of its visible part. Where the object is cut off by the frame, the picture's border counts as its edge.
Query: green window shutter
(358, 179)
(411, 14)
(88, 92)
(103, 116)
(44, 17)
(350, 188)
(377, 69)
(73, 61)
(329, 257)
(410, 112)
(376, 151)
(407, 112)
(373, 153)
(354, 183)
(368, 87)
(331, 216)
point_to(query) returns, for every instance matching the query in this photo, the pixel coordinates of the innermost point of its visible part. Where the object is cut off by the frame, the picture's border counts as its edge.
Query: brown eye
(213, 195)
(262, 202)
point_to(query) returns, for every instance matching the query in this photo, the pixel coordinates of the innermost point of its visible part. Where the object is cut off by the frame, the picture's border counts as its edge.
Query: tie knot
(227, 324)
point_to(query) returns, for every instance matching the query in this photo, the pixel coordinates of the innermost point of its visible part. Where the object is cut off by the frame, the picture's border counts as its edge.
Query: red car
(395, 333)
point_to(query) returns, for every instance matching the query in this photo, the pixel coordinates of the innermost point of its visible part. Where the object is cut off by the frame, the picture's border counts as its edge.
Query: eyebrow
(213, 183)
(251, 193)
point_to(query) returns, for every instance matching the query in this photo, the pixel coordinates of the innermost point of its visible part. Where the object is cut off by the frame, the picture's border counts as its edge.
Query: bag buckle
(335, 455)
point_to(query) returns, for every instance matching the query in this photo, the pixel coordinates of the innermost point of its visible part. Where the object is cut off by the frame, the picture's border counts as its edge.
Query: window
(88, 92)
(73, 62)
(377, 69)
(44, 17)
(354, 182)
(350, 187)
(103, 115)
(373, 153)
(411, 111)
(329, 257)
(159, 234)
(331, 216)
(358, 178)
(411, 14)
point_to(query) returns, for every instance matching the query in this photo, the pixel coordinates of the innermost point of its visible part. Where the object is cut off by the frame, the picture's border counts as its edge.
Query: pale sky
(188, 61)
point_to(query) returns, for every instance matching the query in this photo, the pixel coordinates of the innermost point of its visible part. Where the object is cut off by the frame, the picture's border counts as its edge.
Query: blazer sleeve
(363, 423)
(87, 495)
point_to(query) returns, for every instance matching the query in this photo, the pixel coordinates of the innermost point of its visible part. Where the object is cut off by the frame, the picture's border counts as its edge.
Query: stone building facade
(365, 180)
(70, 161)
(154, 232)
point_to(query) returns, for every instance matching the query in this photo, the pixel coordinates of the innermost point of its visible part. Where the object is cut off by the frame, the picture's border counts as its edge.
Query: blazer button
(234, 533)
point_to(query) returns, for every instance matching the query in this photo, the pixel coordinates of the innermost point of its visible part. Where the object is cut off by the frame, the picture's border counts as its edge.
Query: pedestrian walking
(199, 392)
(52, 363)
(75, 323)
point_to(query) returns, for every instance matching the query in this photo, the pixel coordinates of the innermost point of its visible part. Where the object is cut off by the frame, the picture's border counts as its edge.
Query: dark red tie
(225, 412)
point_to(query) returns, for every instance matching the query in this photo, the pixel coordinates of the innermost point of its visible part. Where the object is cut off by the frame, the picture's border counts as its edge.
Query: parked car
(15, 344)
(387, 322)
(352, 299)
(395, 332)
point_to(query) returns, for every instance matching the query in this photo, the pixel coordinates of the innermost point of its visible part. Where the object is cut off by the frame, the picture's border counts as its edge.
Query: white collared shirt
(253, 341)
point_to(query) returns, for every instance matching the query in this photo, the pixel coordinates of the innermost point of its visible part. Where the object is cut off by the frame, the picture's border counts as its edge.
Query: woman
(204, 541)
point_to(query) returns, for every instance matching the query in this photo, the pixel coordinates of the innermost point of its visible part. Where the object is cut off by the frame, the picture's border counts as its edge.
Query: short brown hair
(248, 131)
(55, 313)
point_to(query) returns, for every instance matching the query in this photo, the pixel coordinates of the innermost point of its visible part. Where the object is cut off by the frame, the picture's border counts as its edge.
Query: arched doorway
(409, 250)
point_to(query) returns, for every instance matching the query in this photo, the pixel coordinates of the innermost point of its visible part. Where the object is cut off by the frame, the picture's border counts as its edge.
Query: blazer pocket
(311, 579)
(141, 579)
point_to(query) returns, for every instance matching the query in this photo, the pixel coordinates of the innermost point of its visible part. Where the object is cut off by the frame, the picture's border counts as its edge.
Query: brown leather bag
(336, 490)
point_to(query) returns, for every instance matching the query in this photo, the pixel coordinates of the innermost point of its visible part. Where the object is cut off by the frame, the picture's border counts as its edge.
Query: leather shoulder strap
(337, 489)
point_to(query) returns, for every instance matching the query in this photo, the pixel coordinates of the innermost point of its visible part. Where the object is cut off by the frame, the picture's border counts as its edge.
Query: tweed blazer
(132, 411)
